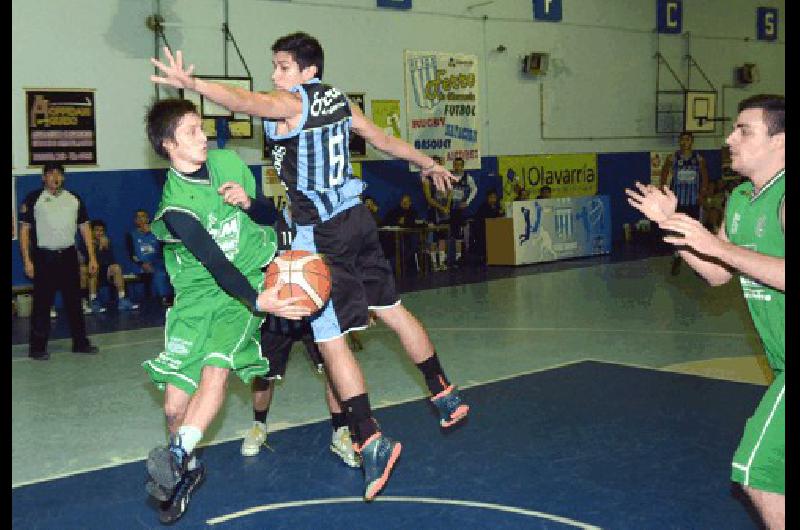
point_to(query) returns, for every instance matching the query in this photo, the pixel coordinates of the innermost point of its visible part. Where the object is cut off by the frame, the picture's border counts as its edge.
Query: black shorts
(362, 278)
(278, 335)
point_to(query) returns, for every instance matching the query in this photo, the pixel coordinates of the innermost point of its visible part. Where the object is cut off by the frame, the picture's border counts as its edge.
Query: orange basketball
(302, 273)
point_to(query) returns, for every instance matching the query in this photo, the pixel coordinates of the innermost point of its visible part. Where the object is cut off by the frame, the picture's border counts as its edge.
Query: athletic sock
(434, 374)
(338, 420)
(189, 436)
(359, 417)
(260, 415)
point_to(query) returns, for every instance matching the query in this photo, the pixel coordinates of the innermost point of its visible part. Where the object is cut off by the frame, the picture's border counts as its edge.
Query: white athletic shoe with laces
(254, 439)
(342, 446)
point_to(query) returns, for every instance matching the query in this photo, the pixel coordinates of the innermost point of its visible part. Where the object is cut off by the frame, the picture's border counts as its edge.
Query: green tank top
(754, 222)
(246, 244)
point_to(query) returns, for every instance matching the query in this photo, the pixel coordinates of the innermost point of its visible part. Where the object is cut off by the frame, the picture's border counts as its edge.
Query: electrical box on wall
(747, 74)
(535, 63)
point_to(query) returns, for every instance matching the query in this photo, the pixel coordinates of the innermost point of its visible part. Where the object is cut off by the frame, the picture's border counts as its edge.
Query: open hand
(689, 232)
(656, 204)
(441, 177)
(269, 302)
(173, 75)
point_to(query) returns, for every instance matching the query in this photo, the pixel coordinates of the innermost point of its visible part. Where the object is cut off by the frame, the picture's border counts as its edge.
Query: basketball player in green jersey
(214, 253)
(751, 244)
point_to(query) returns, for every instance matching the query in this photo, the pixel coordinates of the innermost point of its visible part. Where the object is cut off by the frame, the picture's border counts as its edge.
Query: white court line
(283, 425)
(422, 500)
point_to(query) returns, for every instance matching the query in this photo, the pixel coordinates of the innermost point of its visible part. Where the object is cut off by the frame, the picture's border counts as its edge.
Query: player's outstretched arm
(278, 104)
(364, 127)
(708, 248)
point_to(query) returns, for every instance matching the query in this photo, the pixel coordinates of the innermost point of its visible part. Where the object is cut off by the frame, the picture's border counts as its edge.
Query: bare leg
(115, 277)
(771, 507)
(175, 403)
(412, 335)
(208, 399)
(342, 368)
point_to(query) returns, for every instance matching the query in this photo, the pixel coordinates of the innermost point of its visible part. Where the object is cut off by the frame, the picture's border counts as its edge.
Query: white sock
(121, 294)
(92, 297)
(189, 437)
(192, 463)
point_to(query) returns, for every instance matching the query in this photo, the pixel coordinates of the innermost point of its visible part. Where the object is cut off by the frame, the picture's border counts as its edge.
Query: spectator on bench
(145, 251)
(109, 272)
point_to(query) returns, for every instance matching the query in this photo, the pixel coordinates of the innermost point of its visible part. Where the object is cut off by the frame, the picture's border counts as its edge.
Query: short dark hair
(690, 134)
(162, 119)
(305, 49)
(52, 166)
(774, 108)
(141, 210)
(98, 222)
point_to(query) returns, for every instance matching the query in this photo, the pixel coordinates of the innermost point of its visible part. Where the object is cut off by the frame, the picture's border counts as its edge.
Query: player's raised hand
(269, 302)
(173, 73)
(440, 176)
(656, 204)
(233, 193)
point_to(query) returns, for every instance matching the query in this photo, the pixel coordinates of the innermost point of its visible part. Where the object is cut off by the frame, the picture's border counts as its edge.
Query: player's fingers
(190, 70)
(168, 55)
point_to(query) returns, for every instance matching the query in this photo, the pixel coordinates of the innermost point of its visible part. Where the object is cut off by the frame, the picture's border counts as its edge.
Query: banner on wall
(357, 144)
(442, 106)
(386, 115)
(61, 126)
(570, 175)
(657, 159)
(553, 229)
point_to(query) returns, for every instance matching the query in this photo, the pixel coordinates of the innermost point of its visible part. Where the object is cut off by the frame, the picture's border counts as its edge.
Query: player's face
(53, 180)
(286, 73)
(405, 202)
(751, 146)
(491, 199)
(99, 231)
(190, 146)
(458, 166)
(685, 142)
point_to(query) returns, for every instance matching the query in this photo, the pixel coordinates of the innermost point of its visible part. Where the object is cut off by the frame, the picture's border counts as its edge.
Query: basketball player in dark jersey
(307, 126)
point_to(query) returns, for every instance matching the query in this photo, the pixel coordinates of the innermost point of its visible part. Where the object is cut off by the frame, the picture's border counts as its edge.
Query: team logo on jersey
(735, 222)
(327, 103)
(225, 234)
(760, 225)
(278, 152)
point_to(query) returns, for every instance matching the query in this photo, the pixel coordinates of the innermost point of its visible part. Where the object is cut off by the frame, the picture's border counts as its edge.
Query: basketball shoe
(254, 439)
(450, 406)
(174, 508)
(342, 446)
(378, 454)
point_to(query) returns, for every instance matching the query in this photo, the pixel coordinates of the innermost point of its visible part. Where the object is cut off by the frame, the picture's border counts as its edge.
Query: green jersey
(753, 221)
(246, 244)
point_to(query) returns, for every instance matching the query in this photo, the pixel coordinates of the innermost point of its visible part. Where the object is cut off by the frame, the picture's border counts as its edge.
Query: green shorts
(207, 328)
(760, 460)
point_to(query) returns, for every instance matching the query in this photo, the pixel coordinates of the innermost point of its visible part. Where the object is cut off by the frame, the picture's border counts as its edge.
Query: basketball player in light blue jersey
(307, 126)
(685, 173)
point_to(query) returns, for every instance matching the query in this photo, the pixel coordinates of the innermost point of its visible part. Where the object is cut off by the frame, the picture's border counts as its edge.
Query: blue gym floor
(604, 393)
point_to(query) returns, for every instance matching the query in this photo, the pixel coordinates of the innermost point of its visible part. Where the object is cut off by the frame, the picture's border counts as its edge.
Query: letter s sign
(767, 23)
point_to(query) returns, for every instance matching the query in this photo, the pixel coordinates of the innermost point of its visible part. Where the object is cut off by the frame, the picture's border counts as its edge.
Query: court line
(461, 330)
(670, 371)
(286, 425)
(423, 500)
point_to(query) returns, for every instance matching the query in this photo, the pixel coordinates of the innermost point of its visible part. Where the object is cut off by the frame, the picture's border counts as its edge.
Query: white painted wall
(601, 81)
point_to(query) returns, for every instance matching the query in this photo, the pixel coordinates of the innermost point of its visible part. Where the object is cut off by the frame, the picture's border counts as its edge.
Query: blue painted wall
(114, 196)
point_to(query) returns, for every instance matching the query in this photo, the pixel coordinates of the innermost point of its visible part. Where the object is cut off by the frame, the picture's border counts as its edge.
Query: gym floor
(605, 393)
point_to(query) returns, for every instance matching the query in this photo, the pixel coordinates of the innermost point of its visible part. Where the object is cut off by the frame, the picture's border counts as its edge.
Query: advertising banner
(442, 106)
(61, 126)
(570, 175)
(553, 229)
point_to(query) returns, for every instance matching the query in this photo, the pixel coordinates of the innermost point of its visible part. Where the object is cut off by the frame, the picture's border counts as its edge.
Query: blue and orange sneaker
(451, 407)
(378, 456)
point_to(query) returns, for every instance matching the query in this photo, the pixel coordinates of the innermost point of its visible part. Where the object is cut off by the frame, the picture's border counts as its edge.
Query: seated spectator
(405, 216)
(108, 271)
(545, 193)
(439, 204)
(144, 249)
(490, 209)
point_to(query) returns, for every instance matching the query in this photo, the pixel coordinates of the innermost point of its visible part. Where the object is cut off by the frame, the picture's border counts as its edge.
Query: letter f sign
(669, 16)
(547, 10)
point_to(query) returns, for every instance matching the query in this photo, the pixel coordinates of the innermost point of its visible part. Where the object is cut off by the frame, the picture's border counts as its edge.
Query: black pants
(55, 270)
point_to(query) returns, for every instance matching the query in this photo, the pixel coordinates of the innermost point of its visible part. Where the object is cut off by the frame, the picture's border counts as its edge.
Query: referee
(49, 218)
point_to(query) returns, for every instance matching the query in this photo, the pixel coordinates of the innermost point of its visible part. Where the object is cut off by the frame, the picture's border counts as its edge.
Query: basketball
(303, 274)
